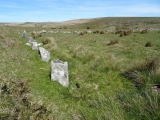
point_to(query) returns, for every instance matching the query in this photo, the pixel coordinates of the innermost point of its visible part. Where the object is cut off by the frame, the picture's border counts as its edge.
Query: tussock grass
(148, 44)
(36, 35)
(144, 32)
(112, 42)
(140, 105)
(147, 67)
(82, 33)
(124, 33)
(48, 40)
(101, 32)
(50, 43)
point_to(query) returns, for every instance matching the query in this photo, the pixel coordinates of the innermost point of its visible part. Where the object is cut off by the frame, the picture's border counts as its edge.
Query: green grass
(103, 92)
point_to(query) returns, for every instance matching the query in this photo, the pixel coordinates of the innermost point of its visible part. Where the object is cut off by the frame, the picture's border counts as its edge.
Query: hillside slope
(97, 23)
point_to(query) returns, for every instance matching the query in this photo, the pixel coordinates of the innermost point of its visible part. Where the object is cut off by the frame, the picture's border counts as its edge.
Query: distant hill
(97, 23)
(122, 22)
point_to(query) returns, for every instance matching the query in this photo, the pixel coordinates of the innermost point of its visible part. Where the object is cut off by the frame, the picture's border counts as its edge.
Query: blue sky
(62, 10)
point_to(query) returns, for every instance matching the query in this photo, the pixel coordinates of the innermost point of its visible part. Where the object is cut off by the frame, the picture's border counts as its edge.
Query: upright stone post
(24, 34)
(34, 46)
(45, 55)
(59, 72)
(30, 40)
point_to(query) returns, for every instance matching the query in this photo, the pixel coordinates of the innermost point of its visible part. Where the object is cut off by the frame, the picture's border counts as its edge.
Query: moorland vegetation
(112, 76)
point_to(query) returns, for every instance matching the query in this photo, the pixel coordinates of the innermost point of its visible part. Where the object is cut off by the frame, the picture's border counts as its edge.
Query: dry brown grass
(36, 35)
(112, 42)
(82, 33)
(144, 32)
(50, 43)
(122, 33)
(48, 40)
(9, 42)
(2, 37)
(16, 95)
(96, 32)
(6, 42)
(125, 33)
(102, 32)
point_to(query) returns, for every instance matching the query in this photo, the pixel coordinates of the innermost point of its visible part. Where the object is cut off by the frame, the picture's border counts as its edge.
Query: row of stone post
(59, 69)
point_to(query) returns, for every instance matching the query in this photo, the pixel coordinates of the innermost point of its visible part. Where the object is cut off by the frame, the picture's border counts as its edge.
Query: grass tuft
(144, 31)
(50, 43)
(148, 44)
(36, 35)
(140, 105)
(112, 42)
(146, 67)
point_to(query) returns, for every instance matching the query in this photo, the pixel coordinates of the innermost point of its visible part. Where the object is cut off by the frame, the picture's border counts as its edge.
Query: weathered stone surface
(33, 43)
(59, 72)
(24, 34)
(39, 44)
(28, 44)
(34, 46)
(30, 40)
(45, 55)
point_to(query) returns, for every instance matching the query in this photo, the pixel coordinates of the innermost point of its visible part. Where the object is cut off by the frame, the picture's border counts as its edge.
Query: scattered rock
(28, 44)
(43, 31)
